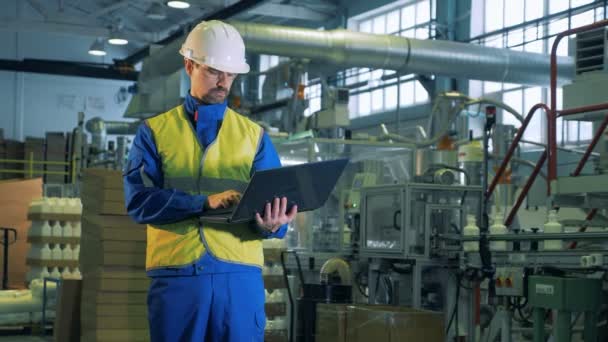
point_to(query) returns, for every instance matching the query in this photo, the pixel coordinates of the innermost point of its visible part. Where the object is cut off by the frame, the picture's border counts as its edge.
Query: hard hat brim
(241, 68)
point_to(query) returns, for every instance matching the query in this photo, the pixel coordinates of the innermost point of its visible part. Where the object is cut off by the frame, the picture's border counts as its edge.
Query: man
(206, 278)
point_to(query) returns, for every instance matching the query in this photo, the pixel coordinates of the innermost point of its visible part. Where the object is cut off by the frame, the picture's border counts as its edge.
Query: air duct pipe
(440, 57)
(100, 129)
(346, 49)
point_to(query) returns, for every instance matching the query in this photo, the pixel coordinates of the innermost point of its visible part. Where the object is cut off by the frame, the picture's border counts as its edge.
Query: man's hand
(223, 199)
(275, 215)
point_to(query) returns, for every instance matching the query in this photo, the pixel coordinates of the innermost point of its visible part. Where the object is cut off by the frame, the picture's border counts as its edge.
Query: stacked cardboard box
(112, 258)
(34, 149)
(56, 151)
(362, 323)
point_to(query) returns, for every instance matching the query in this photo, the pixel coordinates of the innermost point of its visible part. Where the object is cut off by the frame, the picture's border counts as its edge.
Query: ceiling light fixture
(178, 4)
(97, 48)
(117, 38)
(156, 11)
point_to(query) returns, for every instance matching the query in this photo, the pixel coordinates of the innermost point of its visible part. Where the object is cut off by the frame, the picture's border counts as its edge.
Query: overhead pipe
(355, 49)
(100, 129)
(440, 57)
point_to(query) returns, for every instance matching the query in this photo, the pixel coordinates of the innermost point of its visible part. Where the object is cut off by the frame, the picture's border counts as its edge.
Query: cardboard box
(105, 297)
(116, 335)
(393, 324)
(67, 319)
(364, 323)
(331, 323)
(91, 283)
(92, 322)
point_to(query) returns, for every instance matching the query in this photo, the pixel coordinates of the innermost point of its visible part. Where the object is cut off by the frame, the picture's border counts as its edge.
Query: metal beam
(40, 66)
(35, 4)
(108, 9)
(224, 13)
(289, 12)
(7, 24)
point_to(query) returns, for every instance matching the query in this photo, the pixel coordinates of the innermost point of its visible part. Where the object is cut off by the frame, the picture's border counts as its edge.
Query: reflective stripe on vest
(225, 164)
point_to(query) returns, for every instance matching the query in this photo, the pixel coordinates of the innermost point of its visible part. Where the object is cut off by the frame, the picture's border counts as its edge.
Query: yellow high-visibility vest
(225, 164)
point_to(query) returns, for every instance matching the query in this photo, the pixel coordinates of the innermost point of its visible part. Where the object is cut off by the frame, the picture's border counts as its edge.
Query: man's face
(207, 84)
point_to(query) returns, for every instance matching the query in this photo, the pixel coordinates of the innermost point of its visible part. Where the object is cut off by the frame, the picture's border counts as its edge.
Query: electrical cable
(455, 310)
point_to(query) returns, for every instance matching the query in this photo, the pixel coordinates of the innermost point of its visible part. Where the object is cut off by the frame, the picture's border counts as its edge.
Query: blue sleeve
(267, 158)
(145, 198)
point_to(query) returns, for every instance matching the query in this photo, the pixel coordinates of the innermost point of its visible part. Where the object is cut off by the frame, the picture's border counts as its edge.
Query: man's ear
(188, 65)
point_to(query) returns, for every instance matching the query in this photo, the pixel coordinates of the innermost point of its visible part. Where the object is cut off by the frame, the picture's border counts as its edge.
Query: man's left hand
(276, 215)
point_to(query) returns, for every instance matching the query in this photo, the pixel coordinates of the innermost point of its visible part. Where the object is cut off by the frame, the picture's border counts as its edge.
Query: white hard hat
(218, 45)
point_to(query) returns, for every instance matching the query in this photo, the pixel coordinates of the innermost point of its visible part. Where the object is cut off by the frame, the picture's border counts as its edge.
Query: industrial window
(378, 90)
(503, 24)
(266, 62)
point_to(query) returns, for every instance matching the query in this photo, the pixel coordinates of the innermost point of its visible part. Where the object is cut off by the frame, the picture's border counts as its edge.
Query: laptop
(306, 185)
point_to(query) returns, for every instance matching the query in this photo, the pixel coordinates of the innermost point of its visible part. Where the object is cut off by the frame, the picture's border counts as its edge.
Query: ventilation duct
(347, 49)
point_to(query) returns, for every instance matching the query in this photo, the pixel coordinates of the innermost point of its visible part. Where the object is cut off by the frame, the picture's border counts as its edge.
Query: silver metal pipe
(346, 49)
(446, 58)
(531, 237)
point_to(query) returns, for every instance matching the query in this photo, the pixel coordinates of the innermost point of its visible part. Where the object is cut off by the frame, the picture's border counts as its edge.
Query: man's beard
(216, 95)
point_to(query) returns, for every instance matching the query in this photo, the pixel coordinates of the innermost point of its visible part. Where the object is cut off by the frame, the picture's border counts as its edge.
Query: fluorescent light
(97, 48)
(156, 11)
(117, 38)
(118, 41)
(178, 4)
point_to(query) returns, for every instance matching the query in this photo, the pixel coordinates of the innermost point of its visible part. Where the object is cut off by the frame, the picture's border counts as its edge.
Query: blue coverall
(211, 300)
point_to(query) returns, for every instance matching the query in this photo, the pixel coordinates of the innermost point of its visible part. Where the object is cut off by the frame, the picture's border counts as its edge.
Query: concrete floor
(25, 339)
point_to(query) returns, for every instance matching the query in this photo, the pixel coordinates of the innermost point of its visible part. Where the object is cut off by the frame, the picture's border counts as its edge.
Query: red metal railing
(526, 189)
(551, 152)
(552, 117)
(520, 133)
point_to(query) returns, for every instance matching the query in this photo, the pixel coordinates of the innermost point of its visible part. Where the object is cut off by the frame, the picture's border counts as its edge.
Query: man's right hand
(223, 199)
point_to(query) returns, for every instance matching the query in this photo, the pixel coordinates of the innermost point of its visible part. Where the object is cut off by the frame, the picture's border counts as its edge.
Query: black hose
(289, 294)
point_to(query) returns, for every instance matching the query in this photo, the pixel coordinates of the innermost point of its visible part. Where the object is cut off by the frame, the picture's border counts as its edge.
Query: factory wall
(35, 103)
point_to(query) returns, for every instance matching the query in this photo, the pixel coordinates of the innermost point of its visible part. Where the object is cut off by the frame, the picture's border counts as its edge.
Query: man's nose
(222, 80)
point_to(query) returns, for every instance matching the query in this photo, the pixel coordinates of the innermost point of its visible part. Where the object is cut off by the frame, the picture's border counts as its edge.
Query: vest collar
(205, 111)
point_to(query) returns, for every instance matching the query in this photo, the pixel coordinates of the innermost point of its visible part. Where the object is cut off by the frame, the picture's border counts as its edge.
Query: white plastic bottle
(68, 230)
(45, 252)
(498, 228)
(66, 274)
(553, 226)
(45, 273)
(46, 229)
(67, 253)
(55, 273)
(76, 274)
(471, 229)
(56, 253)
(54, 205)
(57, 230)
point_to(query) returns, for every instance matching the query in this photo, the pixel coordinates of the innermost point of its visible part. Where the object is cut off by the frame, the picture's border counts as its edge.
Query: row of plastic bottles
(43, 272)
(278, 323)
(276, 296)
(44, 228)
(552, 225)
(56, 205)
(275, 269)
(274, 243)
(56, 253)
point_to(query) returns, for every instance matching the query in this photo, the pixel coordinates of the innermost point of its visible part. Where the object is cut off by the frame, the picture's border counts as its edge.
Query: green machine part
(566, 295)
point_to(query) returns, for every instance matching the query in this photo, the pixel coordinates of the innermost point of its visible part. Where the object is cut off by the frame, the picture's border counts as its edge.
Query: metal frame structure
(405, 194)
